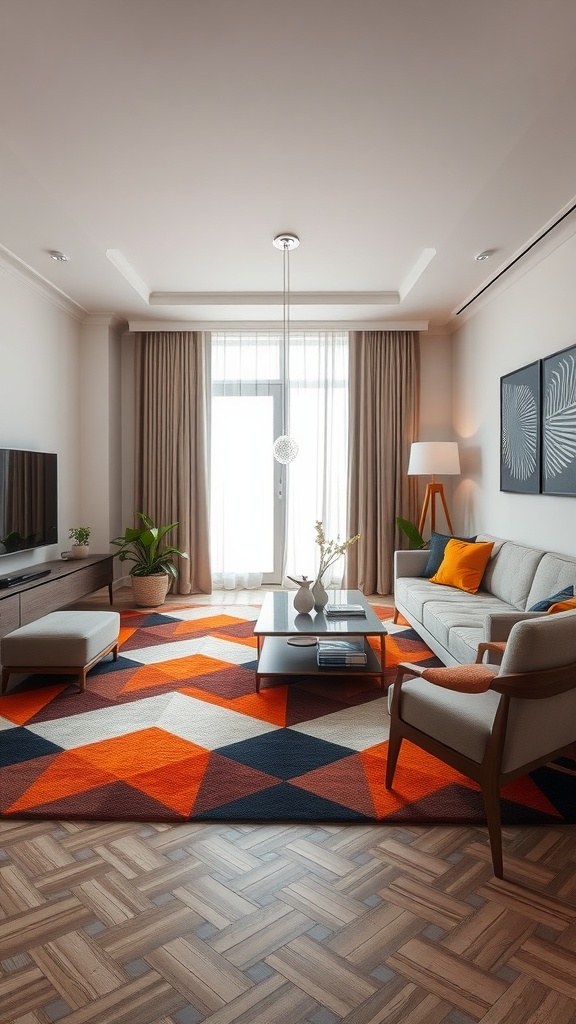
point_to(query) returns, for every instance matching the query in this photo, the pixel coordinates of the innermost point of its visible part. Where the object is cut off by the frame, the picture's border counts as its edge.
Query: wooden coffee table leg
(382, 658)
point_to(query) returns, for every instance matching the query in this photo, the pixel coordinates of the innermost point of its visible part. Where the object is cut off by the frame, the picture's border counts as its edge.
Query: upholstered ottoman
(61, 643)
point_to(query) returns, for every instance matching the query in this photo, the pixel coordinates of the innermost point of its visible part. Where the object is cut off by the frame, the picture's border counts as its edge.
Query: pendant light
(285, 447)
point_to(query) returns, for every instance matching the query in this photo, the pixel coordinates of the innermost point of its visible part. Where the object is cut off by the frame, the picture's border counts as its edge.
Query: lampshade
(434, 458)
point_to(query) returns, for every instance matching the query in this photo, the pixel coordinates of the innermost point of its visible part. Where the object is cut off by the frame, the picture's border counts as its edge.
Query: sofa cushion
(510, 572)
(547, 602)
(554, 572)
(463, 565)
(413, 593)
(437, 546)
(464, 642)
(563, 606)
(441, 617)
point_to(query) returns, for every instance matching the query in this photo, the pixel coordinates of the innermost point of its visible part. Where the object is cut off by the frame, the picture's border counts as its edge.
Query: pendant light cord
(286, 282)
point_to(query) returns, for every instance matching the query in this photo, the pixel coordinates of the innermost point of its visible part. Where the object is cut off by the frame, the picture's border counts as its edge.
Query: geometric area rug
(173, 731)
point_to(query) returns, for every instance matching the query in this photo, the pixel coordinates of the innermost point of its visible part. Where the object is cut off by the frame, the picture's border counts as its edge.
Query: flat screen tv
(28, 500)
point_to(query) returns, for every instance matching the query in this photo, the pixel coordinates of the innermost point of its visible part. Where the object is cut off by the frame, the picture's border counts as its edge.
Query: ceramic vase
(319, 595)
(80, 550)
(303, 600)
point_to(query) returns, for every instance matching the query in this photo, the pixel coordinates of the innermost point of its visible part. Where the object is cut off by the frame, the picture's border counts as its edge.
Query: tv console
(49, 586)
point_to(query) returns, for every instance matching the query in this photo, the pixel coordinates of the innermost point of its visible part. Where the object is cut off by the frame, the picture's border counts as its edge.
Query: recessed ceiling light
(484, 255)
(60, 256)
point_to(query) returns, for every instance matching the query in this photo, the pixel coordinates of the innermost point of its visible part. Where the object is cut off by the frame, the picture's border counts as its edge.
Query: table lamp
(434, 458)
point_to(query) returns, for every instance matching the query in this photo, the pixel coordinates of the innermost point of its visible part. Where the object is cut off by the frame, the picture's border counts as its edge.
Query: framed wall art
(559, 422)
(520, 430)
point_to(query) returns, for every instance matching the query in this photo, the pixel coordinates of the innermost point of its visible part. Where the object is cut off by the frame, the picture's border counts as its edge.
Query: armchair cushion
(461, 721)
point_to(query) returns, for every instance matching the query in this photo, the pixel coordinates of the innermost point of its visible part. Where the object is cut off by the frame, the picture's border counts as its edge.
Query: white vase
(319, 595)
(303, 600)
(80, 550)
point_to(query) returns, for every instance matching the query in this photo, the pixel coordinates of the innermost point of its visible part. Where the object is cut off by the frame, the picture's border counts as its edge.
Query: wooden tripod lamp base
(432, 490)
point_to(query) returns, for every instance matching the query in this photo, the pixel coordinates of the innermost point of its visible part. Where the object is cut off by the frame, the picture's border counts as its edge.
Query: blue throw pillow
(547, 602)
(438, 542)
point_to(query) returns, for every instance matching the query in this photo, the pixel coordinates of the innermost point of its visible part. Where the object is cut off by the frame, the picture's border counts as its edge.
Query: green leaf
(144, 548)
(415, 538)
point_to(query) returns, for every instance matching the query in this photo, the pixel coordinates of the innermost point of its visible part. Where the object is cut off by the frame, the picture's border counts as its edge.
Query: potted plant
(153, 569)
(81, 535)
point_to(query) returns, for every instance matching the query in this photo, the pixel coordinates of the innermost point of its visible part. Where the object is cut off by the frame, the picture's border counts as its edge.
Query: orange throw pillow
(463, 565)
(563, 606)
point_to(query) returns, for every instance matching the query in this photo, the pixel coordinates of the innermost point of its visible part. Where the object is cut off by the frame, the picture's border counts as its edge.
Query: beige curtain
(384, 392)
(171, 476)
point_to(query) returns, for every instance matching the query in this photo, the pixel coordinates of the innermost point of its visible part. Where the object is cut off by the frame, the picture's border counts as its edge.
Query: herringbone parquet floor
(286, 924)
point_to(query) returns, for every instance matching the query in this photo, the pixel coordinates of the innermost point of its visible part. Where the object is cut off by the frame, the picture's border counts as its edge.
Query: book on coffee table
(344, 611)
(348, 651)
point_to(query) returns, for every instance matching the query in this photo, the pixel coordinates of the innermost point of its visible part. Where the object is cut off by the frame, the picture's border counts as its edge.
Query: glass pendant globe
(285, 449)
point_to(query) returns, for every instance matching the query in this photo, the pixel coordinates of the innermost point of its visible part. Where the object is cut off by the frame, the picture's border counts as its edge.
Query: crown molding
(117, 323)
(11, 265)
(273, 325)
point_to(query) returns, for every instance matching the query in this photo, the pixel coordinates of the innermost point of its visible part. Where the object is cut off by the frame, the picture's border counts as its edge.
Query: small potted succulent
(153, 569)
(81, 536)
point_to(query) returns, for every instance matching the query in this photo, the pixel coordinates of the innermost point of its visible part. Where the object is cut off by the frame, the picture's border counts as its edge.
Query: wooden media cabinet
(67, 581)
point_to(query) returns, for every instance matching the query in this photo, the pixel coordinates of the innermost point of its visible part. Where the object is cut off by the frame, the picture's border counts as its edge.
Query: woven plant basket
(150, 591)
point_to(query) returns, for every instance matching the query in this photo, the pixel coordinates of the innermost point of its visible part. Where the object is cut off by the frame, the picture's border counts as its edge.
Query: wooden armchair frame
(488, 773)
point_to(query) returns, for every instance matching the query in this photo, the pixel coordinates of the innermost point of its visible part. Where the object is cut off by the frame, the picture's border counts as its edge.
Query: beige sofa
(453, 622)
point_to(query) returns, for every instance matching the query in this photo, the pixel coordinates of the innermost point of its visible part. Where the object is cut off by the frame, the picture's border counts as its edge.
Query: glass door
(261, 529)
(246, 485)
(247, 506)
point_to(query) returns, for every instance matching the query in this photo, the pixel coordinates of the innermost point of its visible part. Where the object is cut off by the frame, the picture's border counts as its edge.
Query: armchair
(493, 722)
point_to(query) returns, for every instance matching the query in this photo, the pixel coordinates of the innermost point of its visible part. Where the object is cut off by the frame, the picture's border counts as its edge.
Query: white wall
(436, 414)
(40, 392)
(530, 317)
(100, 429)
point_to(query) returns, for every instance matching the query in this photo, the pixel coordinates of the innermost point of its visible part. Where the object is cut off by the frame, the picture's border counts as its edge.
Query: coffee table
(278, 621)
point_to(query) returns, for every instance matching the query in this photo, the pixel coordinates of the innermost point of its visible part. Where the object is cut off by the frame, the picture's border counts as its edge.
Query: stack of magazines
(340, 652)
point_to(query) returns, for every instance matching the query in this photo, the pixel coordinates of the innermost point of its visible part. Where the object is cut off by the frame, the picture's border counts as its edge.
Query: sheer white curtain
(259, 391)
(318, 421)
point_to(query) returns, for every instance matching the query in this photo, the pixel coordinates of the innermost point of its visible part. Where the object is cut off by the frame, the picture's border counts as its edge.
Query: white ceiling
(397, 138)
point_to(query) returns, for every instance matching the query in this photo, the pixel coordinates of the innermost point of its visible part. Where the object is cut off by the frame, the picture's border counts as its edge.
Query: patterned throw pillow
(547, 602)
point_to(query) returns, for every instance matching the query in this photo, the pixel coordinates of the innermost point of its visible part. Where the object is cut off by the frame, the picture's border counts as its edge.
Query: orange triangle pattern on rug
(174, 731)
